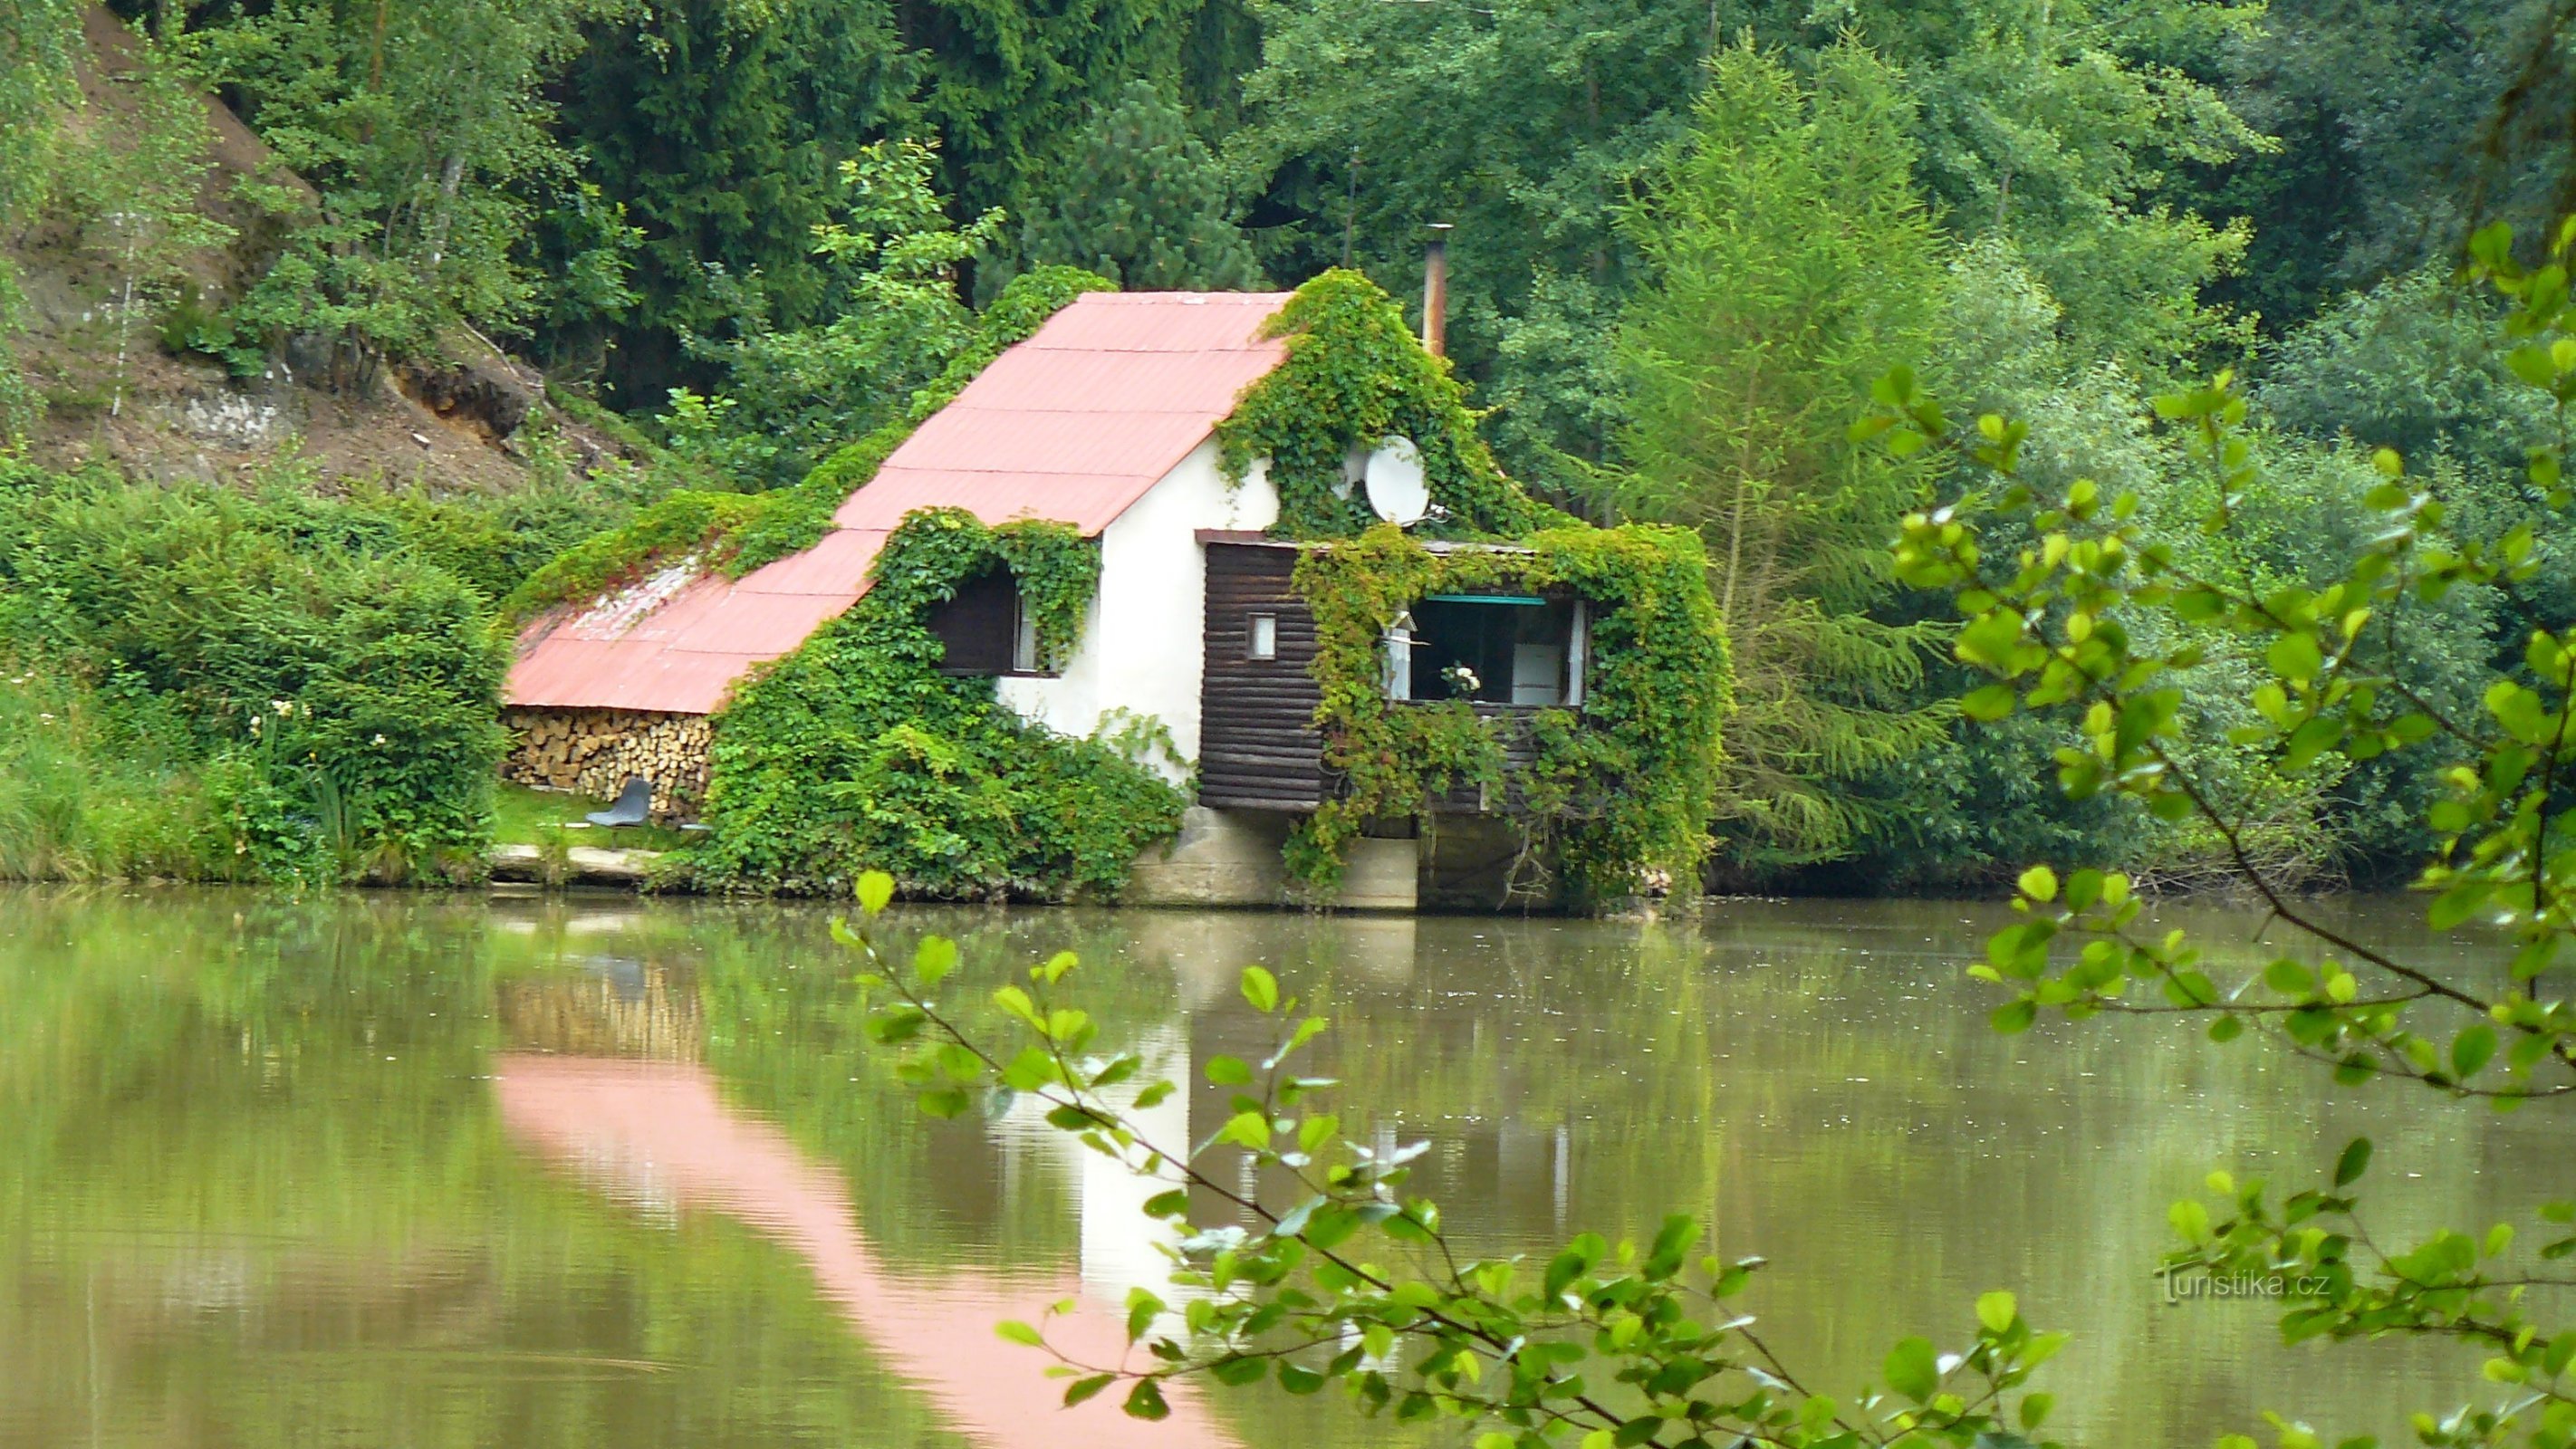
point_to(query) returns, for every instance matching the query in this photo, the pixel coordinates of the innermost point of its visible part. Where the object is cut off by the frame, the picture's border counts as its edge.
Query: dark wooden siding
(1257, 743)
(977, 626)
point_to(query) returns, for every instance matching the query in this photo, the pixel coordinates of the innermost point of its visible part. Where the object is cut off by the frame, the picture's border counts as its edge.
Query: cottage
(1106, 419)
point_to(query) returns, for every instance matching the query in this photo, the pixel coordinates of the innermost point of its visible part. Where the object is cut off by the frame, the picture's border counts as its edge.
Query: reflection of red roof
(1074, 424)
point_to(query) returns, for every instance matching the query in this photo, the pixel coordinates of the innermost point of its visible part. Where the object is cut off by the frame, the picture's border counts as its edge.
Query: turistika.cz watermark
(2191, 1284)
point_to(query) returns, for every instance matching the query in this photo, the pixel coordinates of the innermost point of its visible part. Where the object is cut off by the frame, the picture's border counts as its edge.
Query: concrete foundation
(1381, 875)
(1468, 866)
(1231, 858)
(1220, 858)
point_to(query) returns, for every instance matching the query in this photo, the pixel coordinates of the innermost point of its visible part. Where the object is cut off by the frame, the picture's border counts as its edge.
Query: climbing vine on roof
(1617, 787)
(855, 752)
(1355, 375)
(739, 532)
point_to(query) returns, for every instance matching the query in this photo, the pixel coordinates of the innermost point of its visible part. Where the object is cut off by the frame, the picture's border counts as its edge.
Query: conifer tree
(1790, 262)
(1140, 200)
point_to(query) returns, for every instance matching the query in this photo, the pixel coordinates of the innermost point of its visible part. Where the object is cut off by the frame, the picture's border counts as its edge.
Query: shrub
(334, 693)
(855, 751)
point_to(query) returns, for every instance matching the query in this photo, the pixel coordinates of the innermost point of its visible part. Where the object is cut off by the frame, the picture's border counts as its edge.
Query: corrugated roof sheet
(1074, 424)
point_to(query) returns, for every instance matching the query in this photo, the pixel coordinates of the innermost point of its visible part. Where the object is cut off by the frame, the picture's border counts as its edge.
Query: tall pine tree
(1140, 200)
(1789, 262)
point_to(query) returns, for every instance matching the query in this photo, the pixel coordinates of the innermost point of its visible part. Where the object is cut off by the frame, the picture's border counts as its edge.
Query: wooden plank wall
(1258, 748)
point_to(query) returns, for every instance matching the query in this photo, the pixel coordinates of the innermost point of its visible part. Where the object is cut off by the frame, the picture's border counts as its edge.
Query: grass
(522, 816)
(84, 796)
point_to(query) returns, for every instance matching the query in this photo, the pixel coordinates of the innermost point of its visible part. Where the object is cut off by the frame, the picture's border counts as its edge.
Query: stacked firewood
(596, 751)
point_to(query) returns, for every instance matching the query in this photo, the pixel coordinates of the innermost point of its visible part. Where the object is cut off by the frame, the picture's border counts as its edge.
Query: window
(1506, 649)
(986, 628)
(1024, 636)
(1261, 637)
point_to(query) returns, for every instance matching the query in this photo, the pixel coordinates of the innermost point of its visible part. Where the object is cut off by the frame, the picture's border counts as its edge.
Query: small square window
(1261, 637)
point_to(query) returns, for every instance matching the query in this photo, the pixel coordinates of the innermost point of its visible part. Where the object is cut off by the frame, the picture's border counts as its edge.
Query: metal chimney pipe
(1435, 292)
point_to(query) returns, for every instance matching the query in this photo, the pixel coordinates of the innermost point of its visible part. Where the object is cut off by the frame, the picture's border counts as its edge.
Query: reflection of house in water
(934, 1329)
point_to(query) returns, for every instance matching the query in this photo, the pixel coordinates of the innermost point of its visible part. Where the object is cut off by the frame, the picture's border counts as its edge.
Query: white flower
(284, 707)
(254, 724)
(380, 741)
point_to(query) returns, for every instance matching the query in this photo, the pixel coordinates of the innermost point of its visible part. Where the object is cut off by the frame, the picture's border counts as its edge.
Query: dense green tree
(2382, 109)
(422, 127)
(1139, 199)
(1005, 82)
(892, 260)
(36, 44)
(1368, 121)
(1788, 261)
(2410, 364)
(718, 126)
(2060, 124)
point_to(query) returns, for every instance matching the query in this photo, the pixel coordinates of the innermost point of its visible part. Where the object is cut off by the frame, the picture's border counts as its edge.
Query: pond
(380, 1169)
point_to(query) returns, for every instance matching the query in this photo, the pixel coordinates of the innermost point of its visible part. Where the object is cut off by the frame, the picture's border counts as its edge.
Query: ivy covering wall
(856, 753)
(1618, 787)
(1621, 785)
(1355, 374)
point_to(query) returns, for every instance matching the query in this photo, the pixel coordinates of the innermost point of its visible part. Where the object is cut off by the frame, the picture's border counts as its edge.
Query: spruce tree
(1790, 262)
(1139, 199)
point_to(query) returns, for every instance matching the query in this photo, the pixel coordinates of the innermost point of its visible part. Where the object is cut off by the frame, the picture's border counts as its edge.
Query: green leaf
(933, 959)
(2296, 657)
(1017, 1332)
(1996, 1311)
(2471, 1050)
(2353, 1163)
(1145, 1401)
(1081, 1389)
(2039, 883)
(1989, 704)
(1234, 1373)
(1912, 1369)
(1229, 1072)
(875, 889)
(1142, 1309)
(1261, 989)
(2014, 1017)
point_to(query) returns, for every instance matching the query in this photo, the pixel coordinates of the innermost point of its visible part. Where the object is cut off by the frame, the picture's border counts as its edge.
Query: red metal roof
(1077, 422)
(1074, 424)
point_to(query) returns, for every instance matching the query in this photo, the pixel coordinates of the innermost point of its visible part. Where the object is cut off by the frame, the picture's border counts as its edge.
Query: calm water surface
(406, 1170)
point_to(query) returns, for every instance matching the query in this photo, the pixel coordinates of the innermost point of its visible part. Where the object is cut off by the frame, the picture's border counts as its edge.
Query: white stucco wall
(1142, 647)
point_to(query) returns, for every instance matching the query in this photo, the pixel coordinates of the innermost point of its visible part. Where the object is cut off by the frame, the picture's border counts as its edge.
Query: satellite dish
(1396, 489)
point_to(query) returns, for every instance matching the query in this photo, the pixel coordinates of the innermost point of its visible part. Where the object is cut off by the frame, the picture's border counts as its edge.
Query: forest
(733, 236)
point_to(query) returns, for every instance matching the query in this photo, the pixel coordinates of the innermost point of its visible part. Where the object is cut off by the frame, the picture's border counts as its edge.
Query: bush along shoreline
(205, 683)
